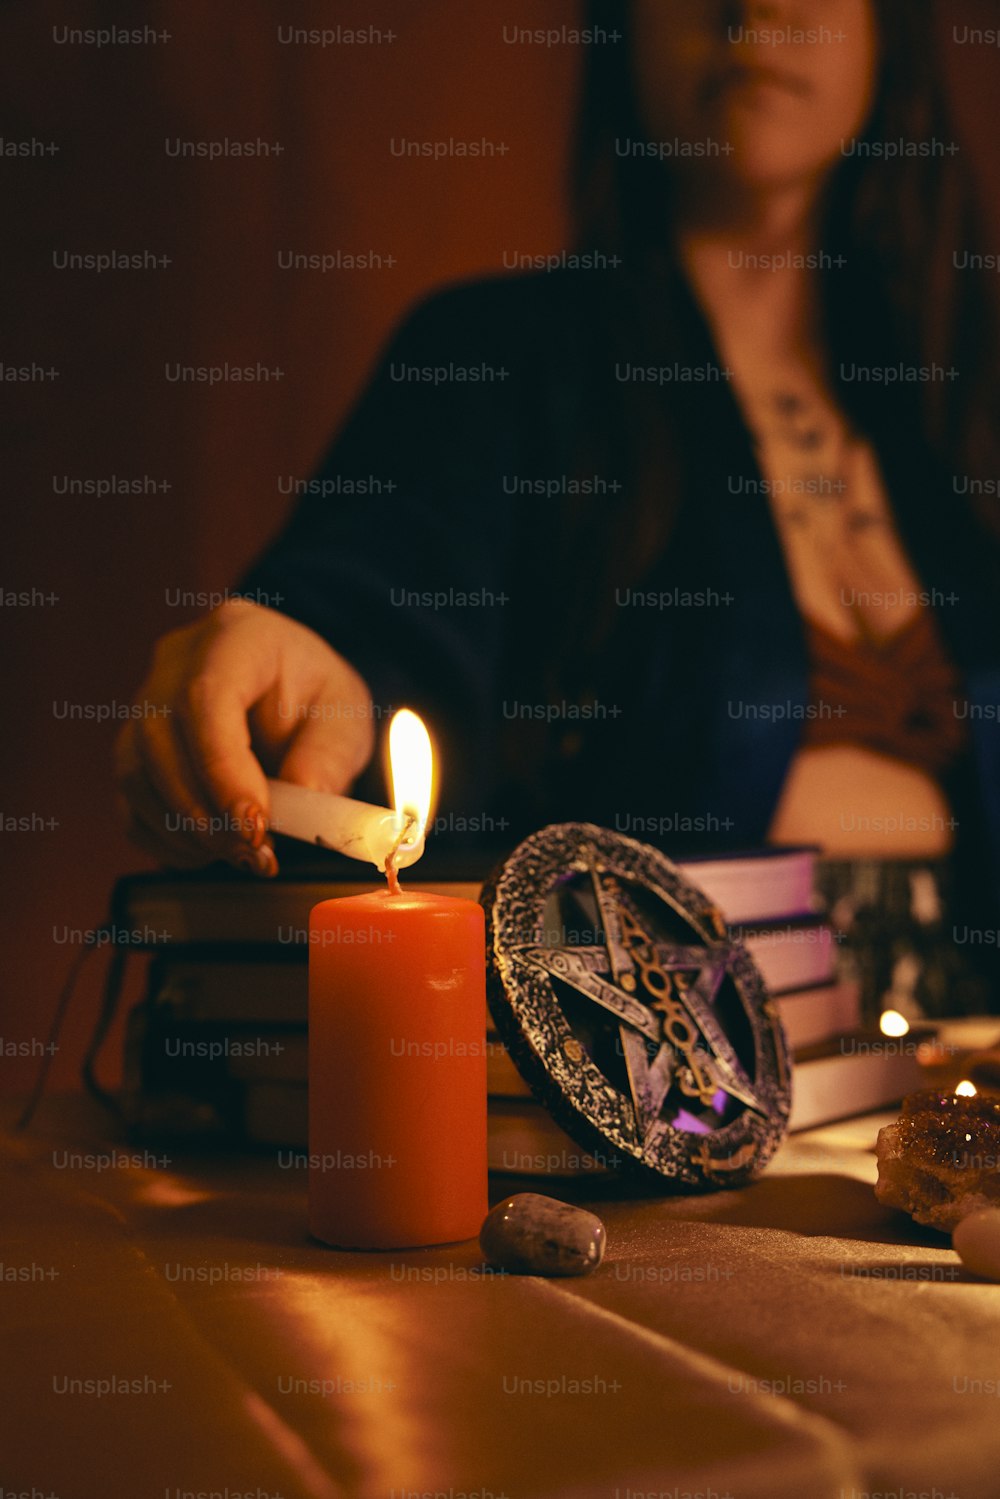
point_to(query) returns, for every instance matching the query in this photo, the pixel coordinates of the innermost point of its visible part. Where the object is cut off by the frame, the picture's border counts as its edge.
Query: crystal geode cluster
(940, 1161)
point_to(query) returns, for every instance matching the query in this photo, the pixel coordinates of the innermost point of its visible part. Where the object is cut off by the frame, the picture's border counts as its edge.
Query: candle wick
(390, 858)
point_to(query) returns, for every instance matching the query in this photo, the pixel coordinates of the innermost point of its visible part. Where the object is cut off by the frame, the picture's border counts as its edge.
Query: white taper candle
(356, 829)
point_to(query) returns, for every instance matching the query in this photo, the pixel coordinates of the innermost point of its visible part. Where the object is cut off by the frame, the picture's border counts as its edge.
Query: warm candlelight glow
(411, 767)
(965, 1089)
(892, 1023)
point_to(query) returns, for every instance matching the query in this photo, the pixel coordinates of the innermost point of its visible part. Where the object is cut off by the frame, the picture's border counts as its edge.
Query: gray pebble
(977, 1243)
(529, 1234)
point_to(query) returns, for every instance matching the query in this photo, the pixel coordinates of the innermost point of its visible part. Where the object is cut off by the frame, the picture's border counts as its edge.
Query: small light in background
(892, 1023)
(965, 1089)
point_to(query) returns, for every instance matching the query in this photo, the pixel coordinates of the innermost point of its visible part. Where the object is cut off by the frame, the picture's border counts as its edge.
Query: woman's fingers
(163, 761)
(150, 842)
(325, 756)
(212, 723)
(144, 813)
(164, 822)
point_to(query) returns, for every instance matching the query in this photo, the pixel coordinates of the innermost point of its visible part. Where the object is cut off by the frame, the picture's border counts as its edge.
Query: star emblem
(662, 996)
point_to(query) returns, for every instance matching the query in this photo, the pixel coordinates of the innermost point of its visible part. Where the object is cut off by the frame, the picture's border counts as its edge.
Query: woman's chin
(768, 165)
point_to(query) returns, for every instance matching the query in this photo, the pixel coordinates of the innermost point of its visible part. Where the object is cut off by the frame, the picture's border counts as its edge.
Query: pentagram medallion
(645, 1031)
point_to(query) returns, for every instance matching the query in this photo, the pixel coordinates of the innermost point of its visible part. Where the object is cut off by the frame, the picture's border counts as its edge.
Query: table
(790, 1339)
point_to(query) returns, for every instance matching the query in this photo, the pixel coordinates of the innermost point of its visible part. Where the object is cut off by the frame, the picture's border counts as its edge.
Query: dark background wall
(113, 562)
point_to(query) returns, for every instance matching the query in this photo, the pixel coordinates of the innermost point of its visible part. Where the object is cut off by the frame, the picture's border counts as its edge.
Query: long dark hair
(896, 221)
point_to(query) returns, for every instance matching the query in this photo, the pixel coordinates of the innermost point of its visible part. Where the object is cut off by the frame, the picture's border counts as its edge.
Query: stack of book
(219, 1045)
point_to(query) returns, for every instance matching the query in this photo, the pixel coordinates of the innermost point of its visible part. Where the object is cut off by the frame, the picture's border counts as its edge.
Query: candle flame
(411, 767)
(965, 1089)
(892, 1023)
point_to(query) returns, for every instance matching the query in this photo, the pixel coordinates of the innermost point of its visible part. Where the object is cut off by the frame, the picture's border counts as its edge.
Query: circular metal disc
(642, 1028)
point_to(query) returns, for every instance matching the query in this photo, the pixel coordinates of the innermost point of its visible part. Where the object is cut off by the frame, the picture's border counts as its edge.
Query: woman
(678, 542)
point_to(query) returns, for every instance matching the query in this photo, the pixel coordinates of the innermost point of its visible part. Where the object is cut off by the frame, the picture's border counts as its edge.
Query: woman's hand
(241, 694)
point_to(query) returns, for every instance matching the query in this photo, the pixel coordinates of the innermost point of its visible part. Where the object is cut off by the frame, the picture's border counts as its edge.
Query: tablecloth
(170, 1329)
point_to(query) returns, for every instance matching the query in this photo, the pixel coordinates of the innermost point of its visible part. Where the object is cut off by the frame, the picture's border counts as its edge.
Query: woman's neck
(752, 267)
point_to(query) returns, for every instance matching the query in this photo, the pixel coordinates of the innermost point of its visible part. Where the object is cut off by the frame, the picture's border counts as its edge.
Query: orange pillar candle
(397, 1070)
(397, 1054)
